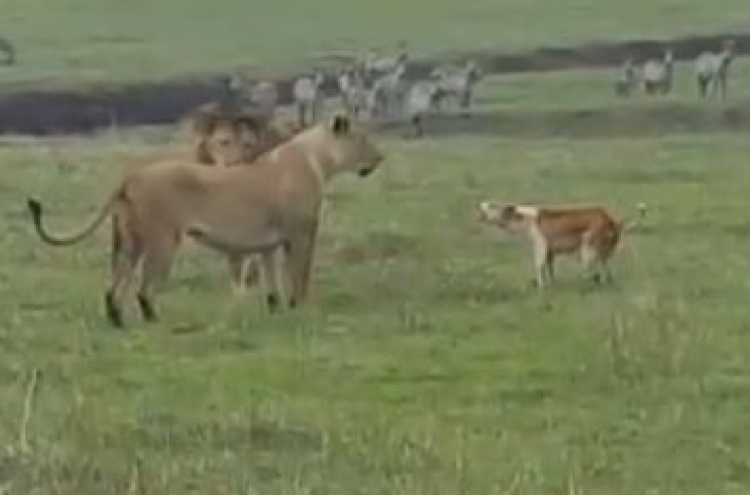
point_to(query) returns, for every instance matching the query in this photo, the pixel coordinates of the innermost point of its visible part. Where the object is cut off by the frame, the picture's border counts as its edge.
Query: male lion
(213, 124)
(235, 210)
(256, 135)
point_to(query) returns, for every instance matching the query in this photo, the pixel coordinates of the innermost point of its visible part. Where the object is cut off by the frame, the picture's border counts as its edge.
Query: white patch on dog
(489, 211)
(527, 211)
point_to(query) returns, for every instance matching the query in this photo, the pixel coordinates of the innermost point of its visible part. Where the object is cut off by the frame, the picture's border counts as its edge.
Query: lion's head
(352, 145)
(224, 137)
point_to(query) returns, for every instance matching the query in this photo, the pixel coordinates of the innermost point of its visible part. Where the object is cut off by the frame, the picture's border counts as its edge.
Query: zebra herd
(379, 87)
(656, 75)
(373, 87)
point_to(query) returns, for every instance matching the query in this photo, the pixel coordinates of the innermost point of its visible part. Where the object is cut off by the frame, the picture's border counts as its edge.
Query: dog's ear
(340, 124)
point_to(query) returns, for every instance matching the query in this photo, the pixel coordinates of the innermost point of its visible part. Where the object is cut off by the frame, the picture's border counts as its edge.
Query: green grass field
(594, 89)
(69, 41)
(425, 364)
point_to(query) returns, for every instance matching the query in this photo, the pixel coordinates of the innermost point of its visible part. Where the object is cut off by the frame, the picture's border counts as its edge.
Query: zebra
(261, 97)
(308, 97)
(375, 65)
(712, 70)
(421, 98)
(264, 95)
(626, 81)
(457, 82)
(658, 74)
(353, 91)
(387, 93)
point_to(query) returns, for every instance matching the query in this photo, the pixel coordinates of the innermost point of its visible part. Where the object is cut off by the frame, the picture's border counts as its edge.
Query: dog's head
(509, 217)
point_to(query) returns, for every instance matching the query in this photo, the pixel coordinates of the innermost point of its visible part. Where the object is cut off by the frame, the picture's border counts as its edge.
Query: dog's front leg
(541, 254)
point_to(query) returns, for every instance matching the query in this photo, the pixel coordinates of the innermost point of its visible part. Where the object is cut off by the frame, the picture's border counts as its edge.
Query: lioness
(235, 210)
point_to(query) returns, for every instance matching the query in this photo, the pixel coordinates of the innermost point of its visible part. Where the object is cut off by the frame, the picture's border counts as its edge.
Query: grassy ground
(590, 89)
(424, 364)
(85, 40)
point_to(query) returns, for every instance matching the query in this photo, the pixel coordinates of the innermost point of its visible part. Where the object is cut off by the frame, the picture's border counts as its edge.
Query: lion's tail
(35, 207)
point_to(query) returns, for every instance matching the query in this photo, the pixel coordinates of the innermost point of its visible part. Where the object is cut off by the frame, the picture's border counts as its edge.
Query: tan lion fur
(256, 136)
(270, 207)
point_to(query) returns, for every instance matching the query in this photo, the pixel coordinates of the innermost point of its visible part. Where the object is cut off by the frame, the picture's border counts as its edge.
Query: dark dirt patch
(48, 111)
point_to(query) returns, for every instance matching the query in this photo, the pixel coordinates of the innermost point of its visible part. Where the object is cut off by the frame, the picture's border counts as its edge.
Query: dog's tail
(626, 226)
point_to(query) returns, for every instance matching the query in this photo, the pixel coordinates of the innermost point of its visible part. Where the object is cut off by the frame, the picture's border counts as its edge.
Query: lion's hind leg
(270, 275)
(244, 272)
(126, 253)
(157, 260)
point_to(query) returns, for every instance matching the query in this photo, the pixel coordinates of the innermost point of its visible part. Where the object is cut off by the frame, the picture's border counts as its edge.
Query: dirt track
(59, 112)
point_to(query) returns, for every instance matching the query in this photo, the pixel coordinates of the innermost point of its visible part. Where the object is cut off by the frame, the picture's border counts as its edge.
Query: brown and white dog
(589, 231)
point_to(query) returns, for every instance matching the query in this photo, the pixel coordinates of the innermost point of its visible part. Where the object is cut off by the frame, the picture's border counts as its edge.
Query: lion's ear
(340, 124)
